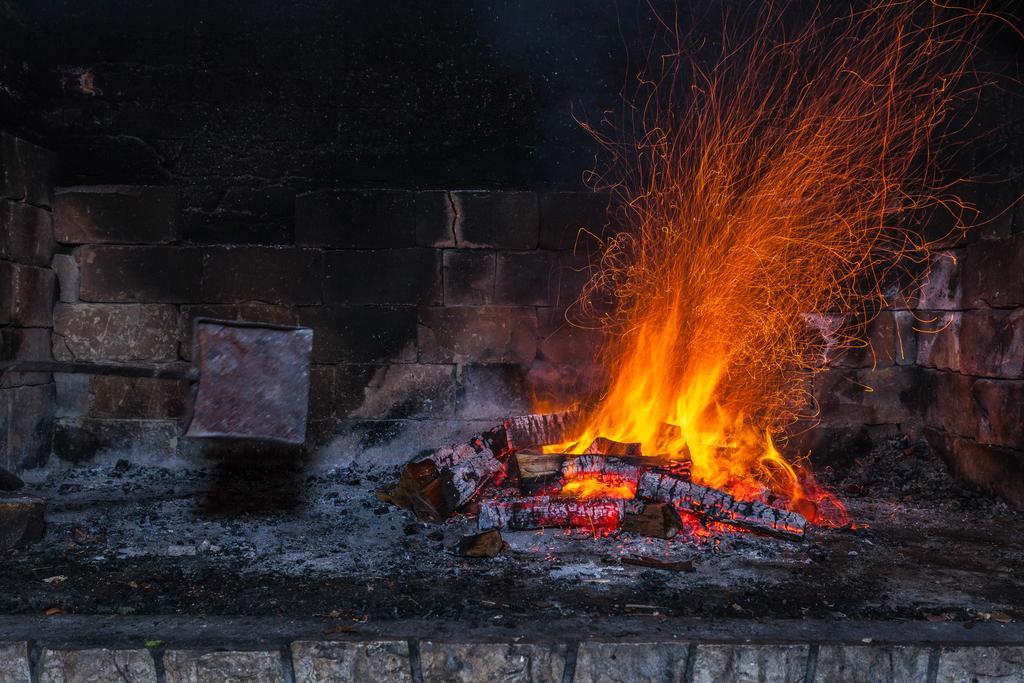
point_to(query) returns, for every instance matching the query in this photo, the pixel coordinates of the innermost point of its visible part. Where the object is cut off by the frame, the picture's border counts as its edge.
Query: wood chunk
(714, 505)
(536, 471)
(545, 429)
(539, 512)
(655, 520)
(485, 544)
(603, 446)
(655, 563)
(421, 472)
(439, 499)
(22, 520)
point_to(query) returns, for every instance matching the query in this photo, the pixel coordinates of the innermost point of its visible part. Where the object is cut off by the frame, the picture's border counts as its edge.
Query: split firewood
(655, 520)
(714, 505)
(603, 446)
(537, 471)
(546, 429)
(484, 544)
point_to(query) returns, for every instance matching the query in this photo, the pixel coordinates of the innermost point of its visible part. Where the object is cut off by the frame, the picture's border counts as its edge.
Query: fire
(765, 204)
(599, 487)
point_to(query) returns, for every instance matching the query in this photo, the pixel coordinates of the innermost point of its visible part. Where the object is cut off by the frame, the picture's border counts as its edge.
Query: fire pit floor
(131, 540)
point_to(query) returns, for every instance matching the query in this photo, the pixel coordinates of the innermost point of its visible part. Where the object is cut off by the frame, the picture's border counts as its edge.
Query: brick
(634, 662)
(26, 425)
(499, 220)
(96, 666)
(72, 395)
(938, 342)
(471, 662)
(136, 397)
(140, 274)
(120, 332)
(30, 343)
(321, 392)
(992, 343)
(568, 277)
(855, 397)
(435, 219)
(378, 660)
(943, 290)
(361, 334)
(188, 666)
(26, 171)
(856, 663)
(68, 277)
(116, 214)
(26, 234)
(22, 522)
(1001, 412)
(468, 277)
(564, 342)
(949, 403)
(407, 390)
(79, 440)
(492, 392)
(14, 666)
(524, 278)
(480, 335)
(27, 294)
(980, 664)
(280, 275)
(562, 384)
(993, 273)
(995, 469)
(252, 311)
(879, 347)
(564, 214)
(350, 384)
(355, 219)
(383, 276)
(750, 663)
(905, 351)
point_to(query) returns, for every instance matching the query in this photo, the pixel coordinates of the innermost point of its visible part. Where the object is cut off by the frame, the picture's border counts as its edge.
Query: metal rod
(178, 371)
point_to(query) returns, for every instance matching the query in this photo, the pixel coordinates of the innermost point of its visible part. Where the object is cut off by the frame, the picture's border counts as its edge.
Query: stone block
(188, 666)
(564, 342)
(866, 664)
(992, 343)
(252, 311)
(993, 274)
(111, 273)
(27, 294)
(25, 343)
(633, 662)
(341, 662)
(942, 290)
(435, 219)
(371, 219)
(136, 397)
(493, 392)
(478, 335)
(949, 403)
(321, 392)
(938, 342)
(383, 276)
(68, 277)
(350, 387)
(990, 468)
(878, 348)
(22, 522)
(498, 220)
(524, 278)
(72, 395)
(567, 280)
(468, 277)
(471, 662)
(121, 332)
(1000, 411)
(280, 275)
(905, 352)
(407, 390)
(563, 215)
(96, 666)
(14, 665)
(980, 664)
(361, 334)
(26, 234)
(116, 214)
(750, 663)
(863, 396)
(26, 171)
(559, 385)
(80, 440)
(26, 425)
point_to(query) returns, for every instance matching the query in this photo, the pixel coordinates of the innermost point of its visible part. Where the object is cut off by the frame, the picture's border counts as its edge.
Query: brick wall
(427, 306)
(27, 293)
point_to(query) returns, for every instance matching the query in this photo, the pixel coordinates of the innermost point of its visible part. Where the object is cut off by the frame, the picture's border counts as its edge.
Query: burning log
(714, 505)
(484, 544)
(603, 446)
(536, 471)
(541, 429)
(657, 520)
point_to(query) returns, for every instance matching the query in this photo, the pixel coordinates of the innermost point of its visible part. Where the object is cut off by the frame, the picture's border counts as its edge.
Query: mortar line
(35, 653)
(287, 664)
(691, 662)
(571, 655)
(812, 663)
(933, 663)
(415, 664)
(157, 653)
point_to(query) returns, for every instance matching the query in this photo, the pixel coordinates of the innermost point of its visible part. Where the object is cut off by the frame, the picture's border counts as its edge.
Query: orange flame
(764, 206)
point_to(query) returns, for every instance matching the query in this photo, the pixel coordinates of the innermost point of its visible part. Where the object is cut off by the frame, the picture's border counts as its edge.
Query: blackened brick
(492, 392)
(524, 278)
(569, 275)
(468, 277)
(563, 384)
(28, 343)
(355, 218)
(26, 233)
(26, 171)
(136, 398)
(252, 311)
(68, 277)
(1001, 412)
(321, 392)
(383, 276)
(564, 214)
(282, 275)
(26, 425)
(943, 289)
(407, 390)
(142, 274)
(949, 403)
(992, 343)
(993, 274)
(857, 397)
(127, 332)
(350, 382)
(435, 219)
(480, 335)
(27, 294)
(995, 469)
(125, 214)
(564, 342)
(500, 220)
(938, 343)
(81, 440)
(361, 334)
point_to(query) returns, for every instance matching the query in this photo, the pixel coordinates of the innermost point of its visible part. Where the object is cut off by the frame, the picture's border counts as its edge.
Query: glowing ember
(599, 487)
(764, 204)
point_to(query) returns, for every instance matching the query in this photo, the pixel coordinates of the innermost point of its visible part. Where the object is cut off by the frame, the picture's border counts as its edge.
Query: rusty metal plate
(253, 381)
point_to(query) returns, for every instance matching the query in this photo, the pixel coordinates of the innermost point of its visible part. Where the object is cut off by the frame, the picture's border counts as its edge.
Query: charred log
(541, 512)
(537, 471)
(603, 446)
(546, 429)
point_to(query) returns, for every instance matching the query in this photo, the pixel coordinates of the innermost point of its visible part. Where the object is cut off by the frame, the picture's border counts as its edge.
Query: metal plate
(253, 381)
